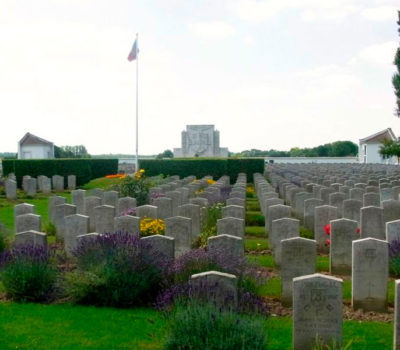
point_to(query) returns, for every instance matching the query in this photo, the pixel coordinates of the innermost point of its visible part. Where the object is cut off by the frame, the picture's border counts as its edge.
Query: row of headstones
(44, 184)
(366, 259)
(101, 218)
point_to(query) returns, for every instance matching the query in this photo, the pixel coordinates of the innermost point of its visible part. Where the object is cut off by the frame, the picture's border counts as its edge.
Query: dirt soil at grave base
(277, 309)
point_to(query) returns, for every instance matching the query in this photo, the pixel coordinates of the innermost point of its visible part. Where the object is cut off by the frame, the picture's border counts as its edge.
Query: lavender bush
(394, 258)
(199, 325)
(201, 260)
(27, 274)
(116, 269)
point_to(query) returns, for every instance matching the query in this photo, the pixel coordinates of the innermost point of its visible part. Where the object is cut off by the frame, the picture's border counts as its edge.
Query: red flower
(328, 229)
(328, 242)
(358, 230)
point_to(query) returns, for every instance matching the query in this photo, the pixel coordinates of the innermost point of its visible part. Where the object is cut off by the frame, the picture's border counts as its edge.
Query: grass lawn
(35, 326)
(257, 231)
(40, 202)
(362, 335)
(256, 243)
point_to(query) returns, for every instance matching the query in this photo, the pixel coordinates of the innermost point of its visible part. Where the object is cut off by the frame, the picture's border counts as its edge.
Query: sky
(267, 73)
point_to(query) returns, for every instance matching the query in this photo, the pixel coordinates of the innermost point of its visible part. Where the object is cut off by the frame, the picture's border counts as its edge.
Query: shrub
(136, 187)
(209, 227)
(394, 258)
(199, 326)
(27, 274)
(201, 260)
(254, 219)
(116, 269)
(204, 166)
(84, 169)
(150, 226)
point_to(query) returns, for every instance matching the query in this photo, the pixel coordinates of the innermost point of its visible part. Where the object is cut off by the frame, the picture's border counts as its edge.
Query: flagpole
(137, 105)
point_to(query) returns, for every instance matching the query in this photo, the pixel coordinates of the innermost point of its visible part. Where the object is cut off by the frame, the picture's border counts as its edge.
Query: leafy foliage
(84, 169)
(335, 149)
(394, 258)
(27, 274)
(136, 187)
(116, 269)
(389, 148)
(199, 326)
(166, 154)
(79, 151)
(201, 167)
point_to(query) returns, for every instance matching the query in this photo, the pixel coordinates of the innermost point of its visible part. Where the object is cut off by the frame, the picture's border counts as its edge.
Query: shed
(369, 148)
(34, 147)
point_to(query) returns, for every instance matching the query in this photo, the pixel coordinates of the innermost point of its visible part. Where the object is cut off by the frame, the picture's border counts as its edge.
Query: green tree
(343, 149)
(396, 76)
(390, 148)
(166, 154)
(78, 151)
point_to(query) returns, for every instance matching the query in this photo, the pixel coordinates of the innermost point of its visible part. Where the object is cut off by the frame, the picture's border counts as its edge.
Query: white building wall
(320, 160)
(372, 154)
(36, 152)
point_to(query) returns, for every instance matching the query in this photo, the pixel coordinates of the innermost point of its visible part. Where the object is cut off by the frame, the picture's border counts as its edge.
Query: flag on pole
(133, 54)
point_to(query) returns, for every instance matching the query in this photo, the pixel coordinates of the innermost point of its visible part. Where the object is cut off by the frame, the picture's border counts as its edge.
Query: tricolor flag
(133, 54)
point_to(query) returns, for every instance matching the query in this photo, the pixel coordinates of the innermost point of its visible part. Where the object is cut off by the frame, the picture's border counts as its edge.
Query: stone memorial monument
(200, 141)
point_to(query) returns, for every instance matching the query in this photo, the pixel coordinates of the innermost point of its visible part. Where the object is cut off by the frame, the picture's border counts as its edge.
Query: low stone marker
(78, 199)
(31, 186)
(372, 224)
(11, 189)
(149, 211)
(75, 225)
(370, 274)
(91, 202)
(61, 211)
(124, 204)
(127, 223)
(192, 211)
(31, 237)
(104, 218)
(317, 310)
(28, 222)
(23, 208)
(283, 228)
(276, 212)
(298, 259)
(110, 198)
(233, 211)
(58, 183)
(164, 207)
(179, 228)
(53, 202)
(229, 245)
(217, 286)
(392, 231)
(309, 212)
(343, 233)
(231, 226)
(71, 181)
(162, 246)
(371, 199)
(351, 209)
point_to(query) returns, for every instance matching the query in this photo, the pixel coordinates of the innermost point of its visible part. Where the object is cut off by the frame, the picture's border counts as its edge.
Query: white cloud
(249, 40)
(215, 30)
(381, 54)
(382, 13)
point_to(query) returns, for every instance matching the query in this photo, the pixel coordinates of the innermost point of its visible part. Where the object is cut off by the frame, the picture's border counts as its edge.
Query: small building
(34, 147)
(369, 148)
(200, 141)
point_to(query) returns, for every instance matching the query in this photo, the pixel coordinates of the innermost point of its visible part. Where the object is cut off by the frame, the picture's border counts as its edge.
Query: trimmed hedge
(216, 167)
(84, 169)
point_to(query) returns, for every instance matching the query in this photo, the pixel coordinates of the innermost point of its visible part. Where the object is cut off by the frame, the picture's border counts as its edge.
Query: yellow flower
(211, 181)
